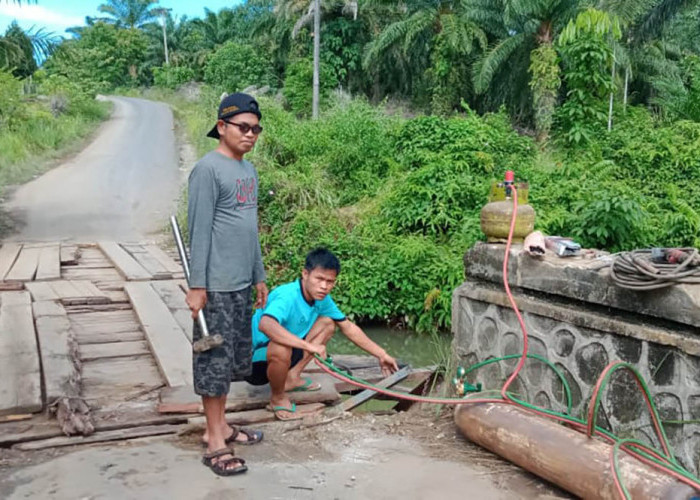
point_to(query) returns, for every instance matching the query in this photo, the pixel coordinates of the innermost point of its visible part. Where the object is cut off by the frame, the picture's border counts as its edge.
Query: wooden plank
(8, 256)
(244, 396)
(259, 416)
(25, 266)
(91, 308)
(174, 298)
(94, 275)
(148, 262)
(20, 383)
(368, 394)
(110, 316)
(348, 362)
(60, 373)
(93, 294)
(168, 343)
(47, 308)
(65, 289)
(91, 352)
(125, 263)
(111, 381)
(41, 291)
(49, 267)
(99, 437)
(168, 263)
(39, 427)
(98, 337)
(11, 286)
(69, 255)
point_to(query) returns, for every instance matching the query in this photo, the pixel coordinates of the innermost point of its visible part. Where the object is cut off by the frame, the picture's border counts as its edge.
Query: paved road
(122, 186)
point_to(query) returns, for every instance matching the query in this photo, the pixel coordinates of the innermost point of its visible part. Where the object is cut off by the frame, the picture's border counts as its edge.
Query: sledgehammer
(207, 341)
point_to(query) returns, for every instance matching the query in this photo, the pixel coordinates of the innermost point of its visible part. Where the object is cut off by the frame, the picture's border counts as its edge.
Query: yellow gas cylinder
(496, 215)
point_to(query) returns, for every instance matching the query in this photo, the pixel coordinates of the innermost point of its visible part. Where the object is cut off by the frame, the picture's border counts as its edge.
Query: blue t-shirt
(287, 305)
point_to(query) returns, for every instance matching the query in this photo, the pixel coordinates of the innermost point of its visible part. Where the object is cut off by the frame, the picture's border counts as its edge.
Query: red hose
(585, 428)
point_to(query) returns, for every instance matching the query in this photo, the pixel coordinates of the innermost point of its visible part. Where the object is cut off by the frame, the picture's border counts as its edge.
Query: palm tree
(643, 54)
(19, 48)
(437, 36)
(127, 13)
(305, 11)
(524, 33)
(218, 27)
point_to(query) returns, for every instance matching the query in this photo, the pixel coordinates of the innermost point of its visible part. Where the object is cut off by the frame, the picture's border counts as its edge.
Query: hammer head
(208, 342)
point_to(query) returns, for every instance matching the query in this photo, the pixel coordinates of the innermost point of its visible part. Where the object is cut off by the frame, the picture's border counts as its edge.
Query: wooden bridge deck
(106, 324)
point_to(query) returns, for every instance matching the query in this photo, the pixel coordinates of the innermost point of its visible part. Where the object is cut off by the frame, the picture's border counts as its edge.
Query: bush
(236, 66)
(10, 90)
(298, 85)
(171, 77)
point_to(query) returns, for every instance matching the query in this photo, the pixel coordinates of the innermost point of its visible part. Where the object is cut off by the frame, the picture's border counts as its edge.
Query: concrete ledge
(583, 280)
(685, 341)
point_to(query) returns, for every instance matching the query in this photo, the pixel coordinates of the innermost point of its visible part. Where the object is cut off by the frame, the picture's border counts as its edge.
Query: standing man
(299, 320)
(225, 263)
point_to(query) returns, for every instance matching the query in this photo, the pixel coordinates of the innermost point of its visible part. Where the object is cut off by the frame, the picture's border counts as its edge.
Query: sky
(57, 15)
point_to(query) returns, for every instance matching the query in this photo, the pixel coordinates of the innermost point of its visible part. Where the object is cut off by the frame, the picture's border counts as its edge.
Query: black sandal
(254, 437)
(220, 467)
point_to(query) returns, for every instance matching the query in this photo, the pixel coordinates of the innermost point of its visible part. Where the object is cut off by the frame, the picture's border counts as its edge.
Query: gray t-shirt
(222, 218)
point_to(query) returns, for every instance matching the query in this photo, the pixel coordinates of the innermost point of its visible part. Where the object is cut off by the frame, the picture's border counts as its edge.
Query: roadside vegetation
(423, 105)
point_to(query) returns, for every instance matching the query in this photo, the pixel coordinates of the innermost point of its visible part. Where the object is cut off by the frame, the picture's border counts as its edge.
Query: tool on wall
(207, 341)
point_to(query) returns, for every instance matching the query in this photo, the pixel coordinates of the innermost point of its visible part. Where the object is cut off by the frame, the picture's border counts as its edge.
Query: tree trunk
(165, 43)
(317, 60)
(612, 96)
(627, 81)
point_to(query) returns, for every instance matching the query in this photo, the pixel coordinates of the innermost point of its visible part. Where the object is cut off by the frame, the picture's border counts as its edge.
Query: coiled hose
(636, 271)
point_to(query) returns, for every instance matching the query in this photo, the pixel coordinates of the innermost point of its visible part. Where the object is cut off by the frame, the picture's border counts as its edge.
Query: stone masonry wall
(581, 339)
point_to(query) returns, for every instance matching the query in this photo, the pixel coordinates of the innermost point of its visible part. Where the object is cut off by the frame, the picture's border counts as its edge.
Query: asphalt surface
(123, 186)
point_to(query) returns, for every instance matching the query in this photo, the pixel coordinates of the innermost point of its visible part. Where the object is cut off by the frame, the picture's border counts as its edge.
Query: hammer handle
(185, 266)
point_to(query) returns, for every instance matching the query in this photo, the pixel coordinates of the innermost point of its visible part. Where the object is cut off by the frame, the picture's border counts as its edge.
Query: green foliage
(298, 84)
(236, 66)
(172, 77)
(30, 130)
(10, 89)
(588, 61)
(23, 62)
(545, 83)
(607, 219)
(103, 58)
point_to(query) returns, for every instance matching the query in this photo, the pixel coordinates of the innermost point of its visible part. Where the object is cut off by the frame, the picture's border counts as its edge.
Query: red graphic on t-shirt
(246, 192)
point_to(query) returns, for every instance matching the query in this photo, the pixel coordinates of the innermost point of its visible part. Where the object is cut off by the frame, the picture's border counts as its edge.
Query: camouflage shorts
(229, 315)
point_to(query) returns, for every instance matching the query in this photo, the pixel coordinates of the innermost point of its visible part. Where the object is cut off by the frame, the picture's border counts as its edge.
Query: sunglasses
(245, 128)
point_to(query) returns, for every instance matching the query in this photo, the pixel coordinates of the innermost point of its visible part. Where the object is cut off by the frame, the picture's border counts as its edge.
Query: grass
(30, 145)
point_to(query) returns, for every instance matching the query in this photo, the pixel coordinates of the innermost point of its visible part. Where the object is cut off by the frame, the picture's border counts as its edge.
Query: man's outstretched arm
(361, 340)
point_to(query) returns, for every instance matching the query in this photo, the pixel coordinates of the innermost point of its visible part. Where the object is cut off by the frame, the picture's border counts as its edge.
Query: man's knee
(278, 353)
(326, 324)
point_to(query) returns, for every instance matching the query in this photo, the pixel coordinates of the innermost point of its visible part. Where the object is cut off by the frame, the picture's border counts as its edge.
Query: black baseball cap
(235, 104)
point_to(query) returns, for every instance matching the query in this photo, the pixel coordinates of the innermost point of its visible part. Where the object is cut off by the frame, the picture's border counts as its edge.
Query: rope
(635, 270)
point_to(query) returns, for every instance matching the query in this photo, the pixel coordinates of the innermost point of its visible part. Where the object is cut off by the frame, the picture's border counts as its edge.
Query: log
(562, 455)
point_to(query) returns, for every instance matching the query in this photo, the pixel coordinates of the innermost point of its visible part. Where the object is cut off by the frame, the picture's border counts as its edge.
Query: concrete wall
(581, 338)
